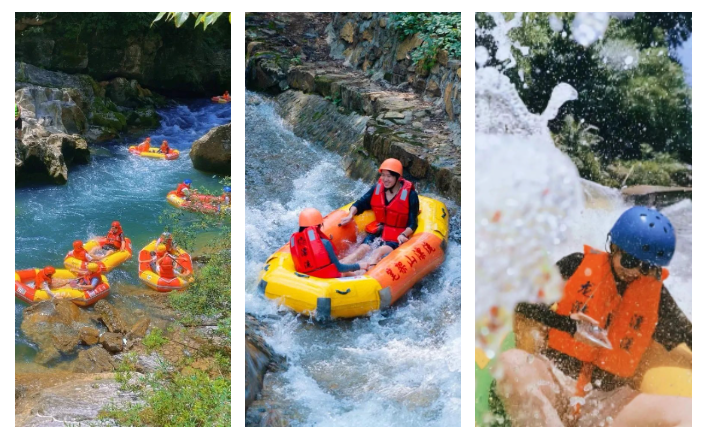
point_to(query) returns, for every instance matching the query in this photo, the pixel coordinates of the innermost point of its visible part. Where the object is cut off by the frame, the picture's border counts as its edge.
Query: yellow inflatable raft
(154, 152)
(154, 281)
(379, 288)
(107, 264)
(660, 372)
(30, 295)
(198, 203)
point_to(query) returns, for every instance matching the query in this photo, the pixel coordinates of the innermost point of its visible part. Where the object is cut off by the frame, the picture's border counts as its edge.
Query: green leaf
(181, 17)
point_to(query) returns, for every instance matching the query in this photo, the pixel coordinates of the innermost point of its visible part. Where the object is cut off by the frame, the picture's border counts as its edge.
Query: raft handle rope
(345, 292)
(301, 275)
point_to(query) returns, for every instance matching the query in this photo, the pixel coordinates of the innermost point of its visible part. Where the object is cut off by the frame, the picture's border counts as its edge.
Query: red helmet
(116, 224)
(165, 142)
(49, 270)
(77, 244)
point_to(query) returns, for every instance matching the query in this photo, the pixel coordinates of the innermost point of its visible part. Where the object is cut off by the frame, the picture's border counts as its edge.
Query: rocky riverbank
(62, 113)
(330, 66)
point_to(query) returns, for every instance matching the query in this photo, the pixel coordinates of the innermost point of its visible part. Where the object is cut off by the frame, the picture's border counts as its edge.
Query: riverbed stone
(212, 152)
(93, 360)
(347, 32)
(112, 342)
(111, 317)
(89, 335)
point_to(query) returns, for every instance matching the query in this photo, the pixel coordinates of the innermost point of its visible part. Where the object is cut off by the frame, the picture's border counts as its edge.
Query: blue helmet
(187, 181)
(646, 234)
(227, 189)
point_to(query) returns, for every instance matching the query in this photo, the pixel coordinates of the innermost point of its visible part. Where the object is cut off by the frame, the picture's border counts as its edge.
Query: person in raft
(18, 121)
(115, 241)
(226, 95)
(396, 206)
(613, 307)
(184, 190)
(164, 148)
(90, 279)
(43, 280)
(145, 145)
(166, 264)
(79, 252)
(312, 251)
(167, 240)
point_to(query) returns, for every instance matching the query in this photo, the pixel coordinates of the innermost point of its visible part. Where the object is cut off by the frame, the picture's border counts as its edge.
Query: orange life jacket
(40, 278)
(394, 216)
(114, 238)
(310, 256)
(166, 268)
(80, 254)
(165, 148)
(180, 188)
(629, 319)
(143, 147)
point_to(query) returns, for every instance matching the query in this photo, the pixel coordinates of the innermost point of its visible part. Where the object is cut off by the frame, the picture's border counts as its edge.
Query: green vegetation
(179, 18)
(633, 101)
(154, 340)
(175, 399)
(438, 31)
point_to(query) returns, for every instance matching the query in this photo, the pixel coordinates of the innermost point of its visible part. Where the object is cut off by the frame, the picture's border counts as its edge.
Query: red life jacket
(166, 269)
(180, 188)
(394, 215)
(40, 278)
(80, 254)
(629, 319)
(165, 148)
(310, 256)
(114, 238)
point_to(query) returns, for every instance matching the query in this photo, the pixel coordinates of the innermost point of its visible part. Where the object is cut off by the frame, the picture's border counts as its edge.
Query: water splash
(526, 190)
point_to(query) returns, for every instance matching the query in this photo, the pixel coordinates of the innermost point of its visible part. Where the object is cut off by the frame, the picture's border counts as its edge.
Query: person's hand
(364, 266)
(346, 219)
(402, 238)
(589, 332)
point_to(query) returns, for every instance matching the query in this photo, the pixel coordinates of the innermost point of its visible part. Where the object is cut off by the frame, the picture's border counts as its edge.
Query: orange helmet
(392, 164)
(93, 267)
(116, 224)
(310, 217)
(77, 244)
(49, 270)
(164, 142)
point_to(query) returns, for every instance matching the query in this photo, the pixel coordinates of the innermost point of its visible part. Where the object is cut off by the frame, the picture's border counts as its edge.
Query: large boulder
(212, 152)
(54, 328)
(43, 156)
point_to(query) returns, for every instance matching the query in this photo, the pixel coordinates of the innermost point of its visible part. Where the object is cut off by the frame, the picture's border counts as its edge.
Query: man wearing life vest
(613, 307)
(167, 241)
(225, 198)
(183, 189)
(312, 251)
(396, 206)
(79, 252)
(145, 145)
(43, 280)
(91, 277)
(226, 95)
(164, 148)
(115, 239)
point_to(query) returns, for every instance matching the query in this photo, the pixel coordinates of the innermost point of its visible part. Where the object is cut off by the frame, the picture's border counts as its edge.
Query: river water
(114, 186)
(396, 368)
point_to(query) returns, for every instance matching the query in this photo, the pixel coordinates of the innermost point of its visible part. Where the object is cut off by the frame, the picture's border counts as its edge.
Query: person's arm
(122, 245)
(543, 314)
(365, 202)
(45, 287)
(333, 258)
(673, 328)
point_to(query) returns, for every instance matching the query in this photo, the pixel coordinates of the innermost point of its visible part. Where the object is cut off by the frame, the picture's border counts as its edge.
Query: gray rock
(212, 152)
